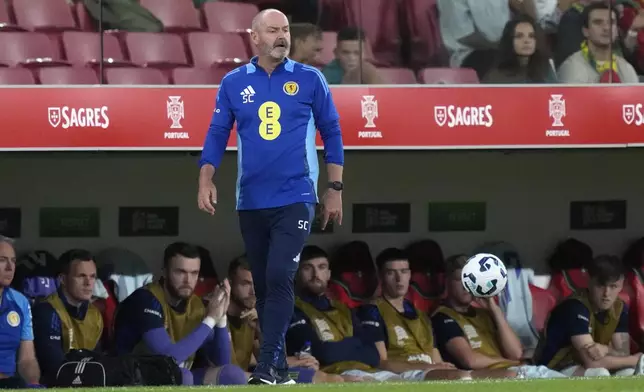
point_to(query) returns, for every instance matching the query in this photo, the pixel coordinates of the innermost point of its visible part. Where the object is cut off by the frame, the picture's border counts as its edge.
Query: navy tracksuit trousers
(274, 238)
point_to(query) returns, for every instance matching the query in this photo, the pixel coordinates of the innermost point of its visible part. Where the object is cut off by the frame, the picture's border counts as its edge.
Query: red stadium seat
(217, 50)
(156, 50)
(7, 23)
(427, 47)
(205, 286)
(16, 76)
(542, 303)
(333, 15)
(135, 76)
(379, 19)
(398, 75)
(566, 282)
(353, 288)
(177, 16)
(226, 17)
(28, 49)
(636, 310)
(448, 76)
(426, 290)
(44, 15)
(67, 75)
(84, 48)
(85, 21)
(198, 75)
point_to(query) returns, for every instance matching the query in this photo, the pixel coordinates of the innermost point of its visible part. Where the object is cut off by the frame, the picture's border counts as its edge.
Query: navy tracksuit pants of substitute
(274, 238)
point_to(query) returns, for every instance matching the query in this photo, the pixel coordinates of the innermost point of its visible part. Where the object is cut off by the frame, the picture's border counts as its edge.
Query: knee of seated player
(494, 373)
(321, 377)
(225, 375)
(448, 374)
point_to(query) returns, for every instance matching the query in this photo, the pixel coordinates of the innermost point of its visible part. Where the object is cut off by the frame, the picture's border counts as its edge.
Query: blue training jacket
(276, 117)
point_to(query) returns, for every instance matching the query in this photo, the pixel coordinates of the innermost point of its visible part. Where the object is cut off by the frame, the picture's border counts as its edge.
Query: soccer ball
(484, 275)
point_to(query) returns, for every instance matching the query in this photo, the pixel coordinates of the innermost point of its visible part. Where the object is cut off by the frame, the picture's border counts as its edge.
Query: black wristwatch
(336, 185)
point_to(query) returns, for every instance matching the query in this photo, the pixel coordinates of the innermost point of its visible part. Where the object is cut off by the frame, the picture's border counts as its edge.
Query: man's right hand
(307, 361)
(596, 351)
(218, 305)
(207, 196)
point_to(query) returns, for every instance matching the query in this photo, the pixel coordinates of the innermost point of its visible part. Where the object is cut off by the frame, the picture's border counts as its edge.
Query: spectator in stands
(523, 55)
(471, 31)
(66, 320)
(478, 337)
(632, 24)
(350, 66)
(244, 329)
(403, 335)
(18, 364)
(333, 331)
(587, 333)
(548, 13)
(306, 43)
(598, 61)
(166, 318)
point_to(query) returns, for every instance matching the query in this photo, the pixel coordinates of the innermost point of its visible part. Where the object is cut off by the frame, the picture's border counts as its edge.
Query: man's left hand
(332, 207)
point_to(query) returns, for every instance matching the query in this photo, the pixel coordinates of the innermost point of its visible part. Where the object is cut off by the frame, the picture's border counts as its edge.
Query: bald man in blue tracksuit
(277, 104)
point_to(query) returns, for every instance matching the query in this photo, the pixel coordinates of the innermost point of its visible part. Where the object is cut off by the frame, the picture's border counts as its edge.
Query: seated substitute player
(66, 320)
(403, 335)
(334, 331)
(167, 318)
(587, 333)
(478, 338)
(244, 328)
(18, 364)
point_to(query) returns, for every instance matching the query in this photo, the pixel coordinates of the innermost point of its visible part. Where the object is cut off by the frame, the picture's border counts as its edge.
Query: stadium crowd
(404, 315)
(353, 41)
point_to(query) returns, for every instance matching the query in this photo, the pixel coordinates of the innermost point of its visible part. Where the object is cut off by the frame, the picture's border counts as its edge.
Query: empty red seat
(177, 16)
(16, 76)
(84, 48)
(205, 286)
(636, 310)
(379, 19)
(28, 49)
(333, 15)
(198, 75)
(217, 50)
(426, 43)
(44, 15)
(67, 75)
(420, 301)
(157, 50)
(542, 303)
(7, 23)
(448, 76)
(225, 17)
(398, 75)
(566, 282)
(85, 21)
(135, 76)
(353, 288)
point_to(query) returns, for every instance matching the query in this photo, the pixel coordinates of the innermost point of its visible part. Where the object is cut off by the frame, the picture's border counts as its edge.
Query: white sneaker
(639, 368)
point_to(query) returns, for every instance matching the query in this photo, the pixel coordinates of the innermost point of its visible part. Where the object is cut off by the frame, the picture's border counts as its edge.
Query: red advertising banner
(446, 117)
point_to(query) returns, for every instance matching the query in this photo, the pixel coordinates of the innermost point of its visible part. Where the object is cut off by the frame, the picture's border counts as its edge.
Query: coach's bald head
(270, 34)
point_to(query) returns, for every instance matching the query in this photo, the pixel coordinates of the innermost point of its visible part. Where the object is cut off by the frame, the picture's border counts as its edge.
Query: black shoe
(263, 375)
(284, 378)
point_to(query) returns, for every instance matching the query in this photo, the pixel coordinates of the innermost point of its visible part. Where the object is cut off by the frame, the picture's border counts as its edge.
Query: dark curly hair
(508, 61)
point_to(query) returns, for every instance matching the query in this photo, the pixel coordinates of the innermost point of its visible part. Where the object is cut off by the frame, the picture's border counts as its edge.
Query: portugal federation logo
(369, 110)
(175, 111)
(54, 116)
(291, 88)
(628, 113)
